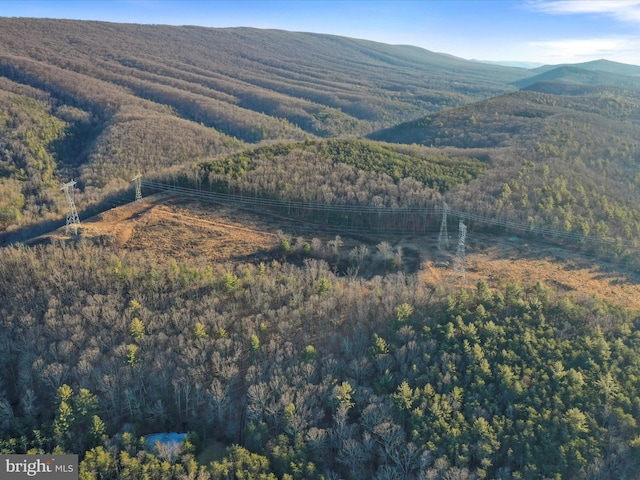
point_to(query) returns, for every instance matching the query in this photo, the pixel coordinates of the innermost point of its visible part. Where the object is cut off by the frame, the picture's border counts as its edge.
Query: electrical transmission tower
(443, 238)
(459, 264)
(138, 183)
(73, 221)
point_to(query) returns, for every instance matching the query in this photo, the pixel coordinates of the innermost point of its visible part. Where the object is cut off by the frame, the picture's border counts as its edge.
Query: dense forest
(312, 375)
(325, 357)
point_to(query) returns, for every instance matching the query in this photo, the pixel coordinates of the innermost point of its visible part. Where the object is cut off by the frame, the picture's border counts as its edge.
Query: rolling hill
(597, 73)
(562, 155)
(99, 102)
(605, 66)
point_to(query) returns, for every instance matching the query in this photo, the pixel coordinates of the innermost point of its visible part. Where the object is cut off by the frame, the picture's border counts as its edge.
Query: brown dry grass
(179, 233)
(559, 268)
(165, 227)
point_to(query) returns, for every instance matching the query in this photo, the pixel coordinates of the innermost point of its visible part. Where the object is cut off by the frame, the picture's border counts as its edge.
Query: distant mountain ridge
(285, 74)
(244, 82)
(591, 75)
(512, 63)
(601, 65)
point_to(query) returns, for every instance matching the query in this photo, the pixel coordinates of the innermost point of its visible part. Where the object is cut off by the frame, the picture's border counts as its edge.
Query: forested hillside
(562, 155)
(120, 99)
(297, 345)
(100, 102)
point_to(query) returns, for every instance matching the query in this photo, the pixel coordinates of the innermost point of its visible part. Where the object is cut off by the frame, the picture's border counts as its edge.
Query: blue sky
(541, 31)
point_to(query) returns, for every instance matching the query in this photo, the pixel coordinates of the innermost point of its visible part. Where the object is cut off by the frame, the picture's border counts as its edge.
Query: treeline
(120, 107)
(313, 375)
(522, 118)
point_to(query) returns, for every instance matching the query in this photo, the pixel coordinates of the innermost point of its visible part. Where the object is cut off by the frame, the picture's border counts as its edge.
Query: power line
(73, 221)
(443, 238)
(138, 183)
(413, 218)
(460, 262)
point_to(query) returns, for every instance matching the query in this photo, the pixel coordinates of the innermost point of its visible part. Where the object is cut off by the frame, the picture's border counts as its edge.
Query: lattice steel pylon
(460, 262)
(73, 221)
(443, 238)
(138, 183)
